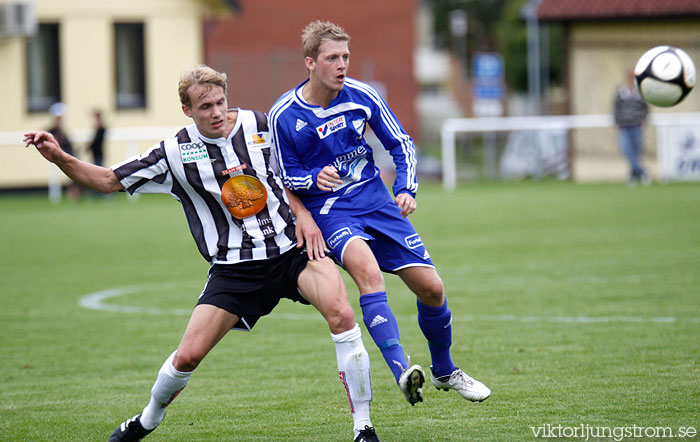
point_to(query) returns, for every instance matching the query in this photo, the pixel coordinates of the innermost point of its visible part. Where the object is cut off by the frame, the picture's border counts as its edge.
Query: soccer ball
(664, 75)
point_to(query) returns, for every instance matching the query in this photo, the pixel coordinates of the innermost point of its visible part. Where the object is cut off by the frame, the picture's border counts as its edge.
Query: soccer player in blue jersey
(318, 130)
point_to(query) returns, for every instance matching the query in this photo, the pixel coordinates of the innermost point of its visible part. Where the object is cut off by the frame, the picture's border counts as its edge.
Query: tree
(497, 25)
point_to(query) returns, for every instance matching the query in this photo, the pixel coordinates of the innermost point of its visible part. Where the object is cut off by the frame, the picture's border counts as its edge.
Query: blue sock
(436, 324)
(382, 325)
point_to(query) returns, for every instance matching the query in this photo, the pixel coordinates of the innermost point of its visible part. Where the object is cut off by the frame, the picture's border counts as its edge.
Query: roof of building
(588, 10)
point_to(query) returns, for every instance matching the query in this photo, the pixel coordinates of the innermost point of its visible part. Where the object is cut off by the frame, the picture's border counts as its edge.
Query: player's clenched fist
(328, 178)
(406, 203)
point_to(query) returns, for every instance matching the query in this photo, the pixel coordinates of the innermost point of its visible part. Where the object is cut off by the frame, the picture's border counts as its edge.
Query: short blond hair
(199, 75)
(316, 33)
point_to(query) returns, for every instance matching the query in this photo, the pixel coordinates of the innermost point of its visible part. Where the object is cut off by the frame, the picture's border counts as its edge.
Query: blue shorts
(391, 237)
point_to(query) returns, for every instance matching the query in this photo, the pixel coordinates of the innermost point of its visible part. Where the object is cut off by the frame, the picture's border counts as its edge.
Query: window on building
(43, 68)
(130, 65)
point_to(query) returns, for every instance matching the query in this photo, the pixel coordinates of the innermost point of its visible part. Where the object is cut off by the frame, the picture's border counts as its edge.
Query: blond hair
(316, 33)
(199, 75)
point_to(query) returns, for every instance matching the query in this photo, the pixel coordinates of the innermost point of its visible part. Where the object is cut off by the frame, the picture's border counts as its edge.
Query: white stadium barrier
(132, 137)
(677, 139)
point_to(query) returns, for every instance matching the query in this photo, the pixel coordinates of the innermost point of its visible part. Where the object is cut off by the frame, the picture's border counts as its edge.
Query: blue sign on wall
(487, 65)
(488, 88)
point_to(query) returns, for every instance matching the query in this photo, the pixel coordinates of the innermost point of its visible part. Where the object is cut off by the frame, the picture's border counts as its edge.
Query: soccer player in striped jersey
(318, 130)
(223, 171)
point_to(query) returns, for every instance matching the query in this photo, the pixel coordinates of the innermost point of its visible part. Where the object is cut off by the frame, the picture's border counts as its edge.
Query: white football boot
(468, 387)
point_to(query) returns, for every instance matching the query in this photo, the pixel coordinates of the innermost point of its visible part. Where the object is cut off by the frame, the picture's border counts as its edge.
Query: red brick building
(260, 49)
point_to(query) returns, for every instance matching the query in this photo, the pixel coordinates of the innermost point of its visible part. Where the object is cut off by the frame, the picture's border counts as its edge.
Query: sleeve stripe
(148, 159)
(302, 182)
(393, 126)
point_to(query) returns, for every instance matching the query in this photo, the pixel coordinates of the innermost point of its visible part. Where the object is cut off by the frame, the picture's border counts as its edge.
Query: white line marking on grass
(97, 301)
(574, 319)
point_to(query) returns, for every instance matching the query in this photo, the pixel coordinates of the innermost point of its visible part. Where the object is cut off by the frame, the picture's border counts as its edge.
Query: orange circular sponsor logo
(243, 196)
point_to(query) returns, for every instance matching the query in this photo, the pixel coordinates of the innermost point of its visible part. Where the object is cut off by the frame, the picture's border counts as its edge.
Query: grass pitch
(579, 305)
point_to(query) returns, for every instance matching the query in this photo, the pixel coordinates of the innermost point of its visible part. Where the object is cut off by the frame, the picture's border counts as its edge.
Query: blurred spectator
(98, 138)
(58, 111)
(630, 111)
(96, 147)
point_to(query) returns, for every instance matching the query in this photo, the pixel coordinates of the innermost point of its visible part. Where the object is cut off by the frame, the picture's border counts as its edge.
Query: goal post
(673, 133)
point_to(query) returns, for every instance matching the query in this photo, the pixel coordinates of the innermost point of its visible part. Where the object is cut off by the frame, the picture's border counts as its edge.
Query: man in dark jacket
(630, 111)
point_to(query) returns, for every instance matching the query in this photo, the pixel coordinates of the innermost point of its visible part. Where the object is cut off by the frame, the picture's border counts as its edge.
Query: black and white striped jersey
(194, 169)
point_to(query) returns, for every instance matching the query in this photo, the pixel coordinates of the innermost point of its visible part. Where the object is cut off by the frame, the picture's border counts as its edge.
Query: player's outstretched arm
(89, 175)
(307, 230)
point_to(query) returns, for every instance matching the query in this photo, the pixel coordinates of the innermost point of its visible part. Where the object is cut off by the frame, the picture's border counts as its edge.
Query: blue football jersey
(307, 138)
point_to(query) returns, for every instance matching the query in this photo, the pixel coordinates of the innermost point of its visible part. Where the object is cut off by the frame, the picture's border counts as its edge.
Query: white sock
(167, 386)
(353, 367)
